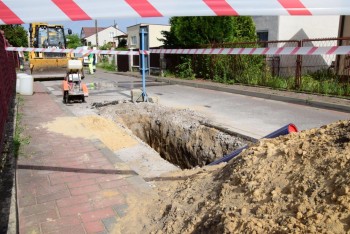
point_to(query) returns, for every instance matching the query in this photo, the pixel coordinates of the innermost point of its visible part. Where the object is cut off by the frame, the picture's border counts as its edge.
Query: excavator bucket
(48, 68)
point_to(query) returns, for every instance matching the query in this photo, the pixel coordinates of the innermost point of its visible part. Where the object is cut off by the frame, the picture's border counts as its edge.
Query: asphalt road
(254, 117)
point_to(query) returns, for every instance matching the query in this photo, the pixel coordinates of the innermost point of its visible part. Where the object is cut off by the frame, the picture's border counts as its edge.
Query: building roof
(145, 24)
(89, 31)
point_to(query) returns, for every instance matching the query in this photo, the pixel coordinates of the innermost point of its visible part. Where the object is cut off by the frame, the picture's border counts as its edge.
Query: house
(289, 28)
(154, 33)
(105, 35)
(276, 28)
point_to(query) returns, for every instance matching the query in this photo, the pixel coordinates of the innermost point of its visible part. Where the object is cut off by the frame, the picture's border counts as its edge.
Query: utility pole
(96, 34)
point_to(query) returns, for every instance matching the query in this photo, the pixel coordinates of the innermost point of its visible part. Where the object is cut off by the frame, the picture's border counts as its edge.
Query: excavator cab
(48, 65)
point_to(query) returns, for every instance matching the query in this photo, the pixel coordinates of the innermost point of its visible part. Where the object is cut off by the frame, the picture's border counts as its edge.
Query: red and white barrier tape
(24, 11)
(331, 50)
(82, 52)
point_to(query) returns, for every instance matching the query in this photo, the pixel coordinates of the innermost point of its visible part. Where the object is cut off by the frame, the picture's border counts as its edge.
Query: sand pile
(293, 184)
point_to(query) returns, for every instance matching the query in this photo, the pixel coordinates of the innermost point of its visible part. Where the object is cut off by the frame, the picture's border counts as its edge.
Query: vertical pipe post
(298, 68)
(144, 94)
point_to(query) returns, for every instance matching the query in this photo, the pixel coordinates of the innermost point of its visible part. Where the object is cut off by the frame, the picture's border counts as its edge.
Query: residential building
(281, 28)
(154, 34)
(275, 28)
(105, 35)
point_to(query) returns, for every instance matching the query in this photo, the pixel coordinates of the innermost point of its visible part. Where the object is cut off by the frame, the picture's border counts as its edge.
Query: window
(111, 34)
(263, 35)
(133, 40)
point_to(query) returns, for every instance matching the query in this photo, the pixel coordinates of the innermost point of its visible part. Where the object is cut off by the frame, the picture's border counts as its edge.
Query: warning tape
(81, 52)
(331, 50)
(24, 11)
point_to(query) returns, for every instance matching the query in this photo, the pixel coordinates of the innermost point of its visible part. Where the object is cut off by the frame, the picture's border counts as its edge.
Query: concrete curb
(275, 97)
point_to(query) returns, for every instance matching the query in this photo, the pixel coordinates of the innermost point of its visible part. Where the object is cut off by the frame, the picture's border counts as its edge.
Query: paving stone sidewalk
(68, 185)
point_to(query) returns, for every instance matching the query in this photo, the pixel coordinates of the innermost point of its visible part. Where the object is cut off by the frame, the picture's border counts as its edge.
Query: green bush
(104, 64)
(329, 87)
(184, 70)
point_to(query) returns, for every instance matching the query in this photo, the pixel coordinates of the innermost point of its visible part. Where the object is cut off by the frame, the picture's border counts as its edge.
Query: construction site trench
(180, 136)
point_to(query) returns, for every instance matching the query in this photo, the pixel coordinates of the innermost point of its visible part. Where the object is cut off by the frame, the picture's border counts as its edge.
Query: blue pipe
(279, 132)
(282, 131)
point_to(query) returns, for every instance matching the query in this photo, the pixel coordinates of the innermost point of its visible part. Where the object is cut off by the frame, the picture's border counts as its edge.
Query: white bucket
(26, 85)
(74, 65)
(18, 82)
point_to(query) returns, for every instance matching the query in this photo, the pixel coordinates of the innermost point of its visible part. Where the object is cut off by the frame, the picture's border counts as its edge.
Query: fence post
(131, 60)
(162, 64)
(298, 68)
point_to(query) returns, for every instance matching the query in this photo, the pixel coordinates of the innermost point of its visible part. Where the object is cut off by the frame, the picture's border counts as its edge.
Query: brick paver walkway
(68, 185)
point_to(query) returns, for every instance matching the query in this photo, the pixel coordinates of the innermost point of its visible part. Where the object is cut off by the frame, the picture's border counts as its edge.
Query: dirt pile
(179, 136)
(293, 184)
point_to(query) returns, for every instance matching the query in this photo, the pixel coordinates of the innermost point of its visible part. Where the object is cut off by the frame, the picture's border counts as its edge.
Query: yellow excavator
(48, 65)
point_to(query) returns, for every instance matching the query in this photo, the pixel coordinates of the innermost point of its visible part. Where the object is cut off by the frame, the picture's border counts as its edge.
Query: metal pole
(144, 94)
(298, 68)
(96, 34)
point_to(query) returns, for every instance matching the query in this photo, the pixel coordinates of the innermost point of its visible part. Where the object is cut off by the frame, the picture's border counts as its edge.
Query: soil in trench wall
(177, 135)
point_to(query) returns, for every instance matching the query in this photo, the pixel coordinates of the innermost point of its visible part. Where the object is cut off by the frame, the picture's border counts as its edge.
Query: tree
(15, 34)
(199, 30)
(122, 43)
(73, 41)
(208, 31)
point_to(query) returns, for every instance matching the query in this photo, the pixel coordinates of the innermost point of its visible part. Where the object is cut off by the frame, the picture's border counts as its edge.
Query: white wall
(133, 31)
(104, 36)
(155, 34)
(267, 23)
(302, 27)
(306, 27)
(298, 28)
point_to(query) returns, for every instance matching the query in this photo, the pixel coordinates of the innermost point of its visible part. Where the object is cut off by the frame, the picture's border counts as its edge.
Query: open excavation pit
(181, 137)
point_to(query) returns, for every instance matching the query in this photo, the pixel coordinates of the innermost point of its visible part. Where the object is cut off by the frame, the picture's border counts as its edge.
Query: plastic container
(74, 65)
(26, 85)
(18, 82)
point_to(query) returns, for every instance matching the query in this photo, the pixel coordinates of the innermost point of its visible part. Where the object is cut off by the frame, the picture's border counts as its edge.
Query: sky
(122, 23)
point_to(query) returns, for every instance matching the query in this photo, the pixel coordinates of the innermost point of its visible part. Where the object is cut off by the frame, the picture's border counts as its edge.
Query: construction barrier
(329, 50)
(24, 11)
(8, 64)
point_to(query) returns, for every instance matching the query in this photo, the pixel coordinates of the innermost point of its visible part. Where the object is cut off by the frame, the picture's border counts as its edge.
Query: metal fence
(239, 67)
(8, 64)
(325, 65)
(260, 67)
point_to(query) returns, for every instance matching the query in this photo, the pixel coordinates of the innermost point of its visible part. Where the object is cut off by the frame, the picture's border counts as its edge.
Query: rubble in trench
(299, 183)
(179, 136)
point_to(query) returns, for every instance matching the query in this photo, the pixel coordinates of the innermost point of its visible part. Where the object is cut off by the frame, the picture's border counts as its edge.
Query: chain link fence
(301, 72)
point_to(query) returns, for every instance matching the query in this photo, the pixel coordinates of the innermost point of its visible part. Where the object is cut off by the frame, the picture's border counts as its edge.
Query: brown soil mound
(298, 183)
